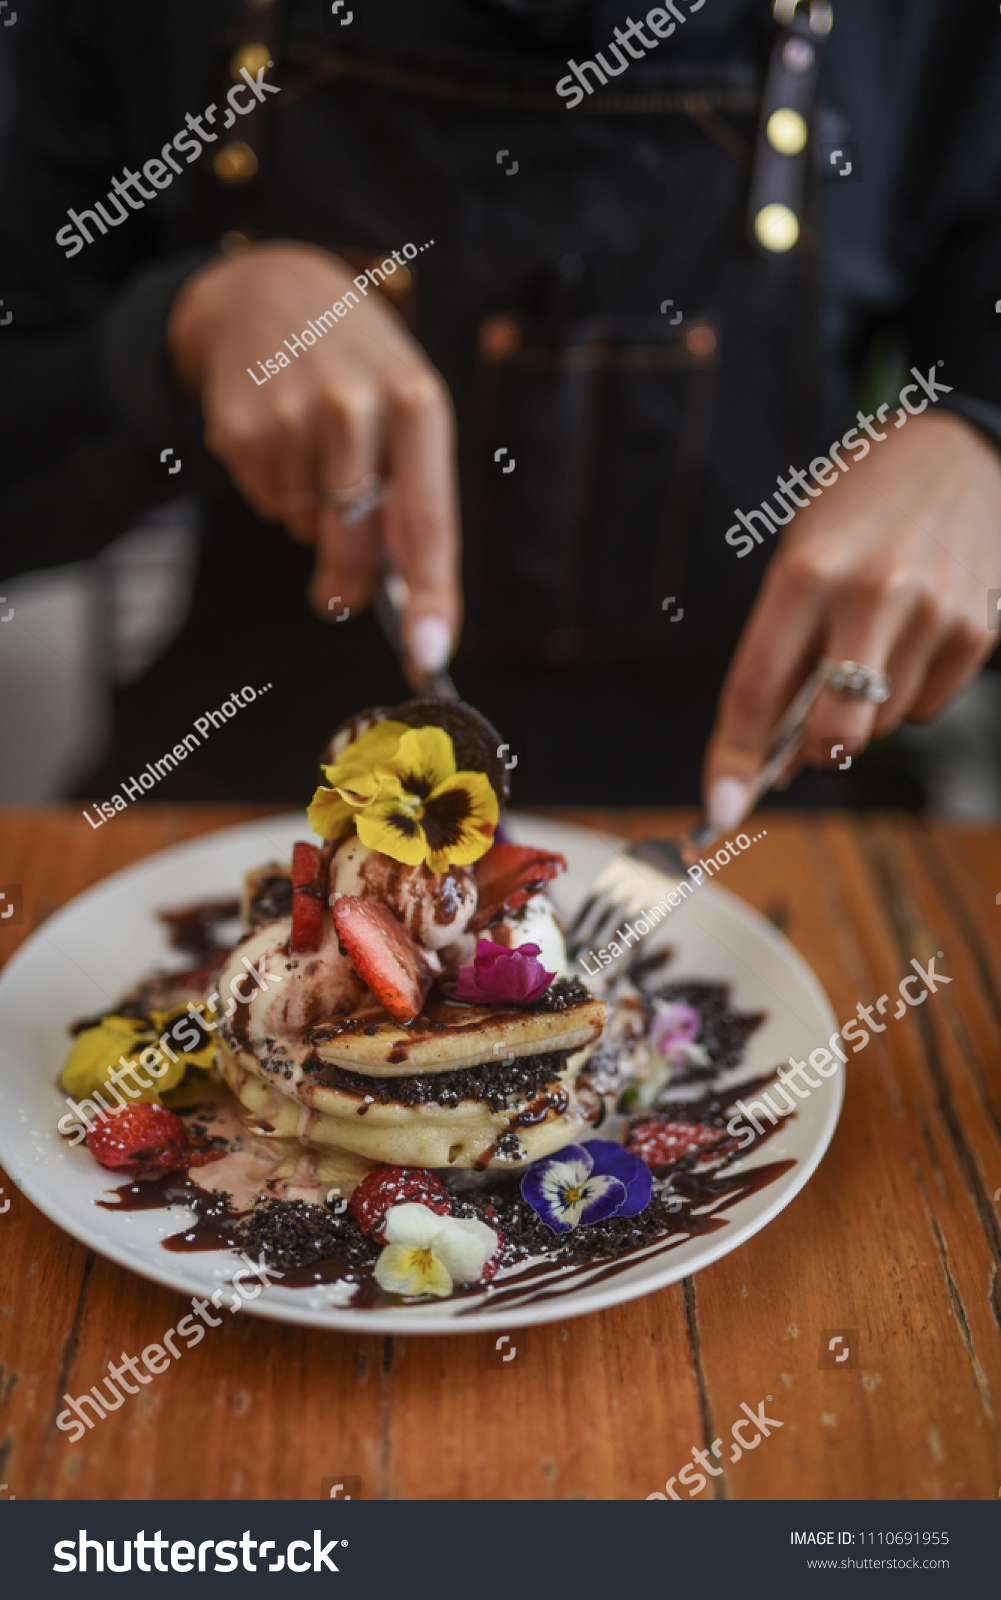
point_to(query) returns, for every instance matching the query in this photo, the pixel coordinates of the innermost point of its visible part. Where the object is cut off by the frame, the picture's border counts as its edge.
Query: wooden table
(896, 1236)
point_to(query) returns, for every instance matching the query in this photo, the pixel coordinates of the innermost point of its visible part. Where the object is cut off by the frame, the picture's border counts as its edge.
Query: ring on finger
(855, 681)
(356, 502)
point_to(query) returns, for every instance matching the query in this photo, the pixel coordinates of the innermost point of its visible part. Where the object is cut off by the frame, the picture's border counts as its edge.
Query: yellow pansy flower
(426, 811)
(96, 1051)
(352, 779)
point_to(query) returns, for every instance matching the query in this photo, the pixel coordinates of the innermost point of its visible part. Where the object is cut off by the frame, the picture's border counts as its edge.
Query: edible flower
(427, 1254)
(408, 800)
(98, 1050)
(501, 974)
(584, 1184)
(672, 1034)
(352, 779)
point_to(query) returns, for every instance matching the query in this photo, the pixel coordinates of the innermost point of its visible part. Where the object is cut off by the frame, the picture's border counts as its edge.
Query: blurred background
(69, 636)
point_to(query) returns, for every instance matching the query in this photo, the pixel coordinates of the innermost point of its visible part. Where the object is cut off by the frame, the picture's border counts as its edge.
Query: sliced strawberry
(658, 1142)
(309, 892)
(507, 876)
(395, 1186)
(384, 955)
(142, 1138)
(490, 1270)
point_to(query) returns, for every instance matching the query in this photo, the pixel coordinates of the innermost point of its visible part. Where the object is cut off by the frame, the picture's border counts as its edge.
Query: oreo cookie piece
(347, 733)
(476, 741)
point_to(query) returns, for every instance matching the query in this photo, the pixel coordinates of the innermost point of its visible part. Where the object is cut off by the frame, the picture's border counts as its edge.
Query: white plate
(83, 958)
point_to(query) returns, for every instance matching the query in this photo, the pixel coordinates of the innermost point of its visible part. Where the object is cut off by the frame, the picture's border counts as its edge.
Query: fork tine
(580, 917)
(597, 912)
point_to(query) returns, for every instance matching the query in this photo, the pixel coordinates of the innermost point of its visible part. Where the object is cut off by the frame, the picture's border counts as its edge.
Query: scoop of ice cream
(534, 923)
(434, 907)
(297, 990)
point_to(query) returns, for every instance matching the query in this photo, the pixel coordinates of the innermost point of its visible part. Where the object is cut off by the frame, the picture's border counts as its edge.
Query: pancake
(296, 1017)
(525, 1112)
(448, 1036)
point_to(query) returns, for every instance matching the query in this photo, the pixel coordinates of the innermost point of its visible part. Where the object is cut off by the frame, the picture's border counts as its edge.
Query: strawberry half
(142, 1138)
(395, 1186)
(658, 1143)
(507, 876)
(309, 891)
(384, 955)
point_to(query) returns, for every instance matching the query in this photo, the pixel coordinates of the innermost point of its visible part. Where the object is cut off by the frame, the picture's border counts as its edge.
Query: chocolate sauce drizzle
(313, 1246)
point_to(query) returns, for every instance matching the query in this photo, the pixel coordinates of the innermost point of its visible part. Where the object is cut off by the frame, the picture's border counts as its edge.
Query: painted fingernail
(430, 643)
(727, 803)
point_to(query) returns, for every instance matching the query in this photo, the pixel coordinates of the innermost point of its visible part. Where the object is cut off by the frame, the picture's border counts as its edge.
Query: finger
(297, 471)
(349, 549)
(958, 659)
(425, 520)
(349, 563)
(779, 644)
(251, 459)
(864, 635)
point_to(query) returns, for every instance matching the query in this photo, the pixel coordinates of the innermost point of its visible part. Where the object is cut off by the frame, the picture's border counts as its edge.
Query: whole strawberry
(141, 1139)
(394, 1186)
(658, 1142)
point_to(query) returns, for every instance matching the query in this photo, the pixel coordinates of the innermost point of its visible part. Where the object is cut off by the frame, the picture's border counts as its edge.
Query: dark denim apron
(602, 601)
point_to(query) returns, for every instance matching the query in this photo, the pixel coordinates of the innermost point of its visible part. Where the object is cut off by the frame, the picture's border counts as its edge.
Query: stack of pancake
(315, 1055)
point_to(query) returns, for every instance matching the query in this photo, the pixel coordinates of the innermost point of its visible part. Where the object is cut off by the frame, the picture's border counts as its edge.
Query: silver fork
(623, 887)
(389, 606)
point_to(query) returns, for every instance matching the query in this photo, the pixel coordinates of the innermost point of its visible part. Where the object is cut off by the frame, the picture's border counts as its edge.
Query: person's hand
(889, 568)
(363, 399)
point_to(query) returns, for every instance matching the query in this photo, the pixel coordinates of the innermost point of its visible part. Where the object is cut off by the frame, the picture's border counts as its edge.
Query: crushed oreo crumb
(293, 1233)
(562, 993)
(501, 1206)
(496, 1083)
(510, 1148)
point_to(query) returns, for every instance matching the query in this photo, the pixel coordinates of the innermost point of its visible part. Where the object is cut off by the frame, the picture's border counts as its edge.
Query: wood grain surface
(896, 1236)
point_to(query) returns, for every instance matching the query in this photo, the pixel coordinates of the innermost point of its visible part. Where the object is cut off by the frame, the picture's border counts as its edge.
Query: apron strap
(778, 181)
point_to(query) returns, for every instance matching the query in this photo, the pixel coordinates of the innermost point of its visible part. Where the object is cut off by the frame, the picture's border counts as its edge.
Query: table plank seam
(956, 1301)
(904, 918)
(691, 1300)
(70, 1347)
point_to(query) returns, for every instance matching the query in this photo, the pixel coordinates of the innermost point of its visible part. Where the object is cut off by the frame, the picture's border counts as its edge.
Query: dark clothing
(636, 438)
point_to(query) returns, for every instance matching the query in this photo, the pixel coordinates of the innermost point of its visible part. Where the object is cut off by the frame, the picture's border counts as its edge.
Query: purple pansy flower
(582, 1184)
(610, 1158)
(673, 1030)
(501, 974)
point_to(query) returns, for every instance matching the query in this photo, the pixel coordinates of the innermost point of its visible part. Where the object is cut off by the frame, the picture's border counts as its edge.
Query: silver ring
(353, 504)
(859, 683)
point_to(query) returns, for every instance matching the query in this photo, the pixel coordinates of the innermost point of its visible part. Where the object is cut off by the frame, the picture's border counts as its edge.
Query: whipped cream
(534, 923)
(434, 907)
